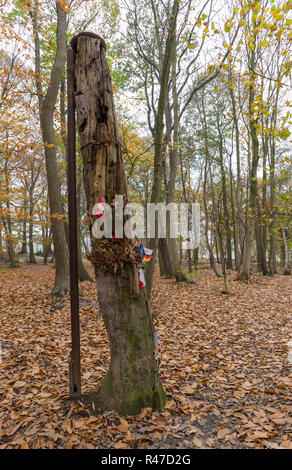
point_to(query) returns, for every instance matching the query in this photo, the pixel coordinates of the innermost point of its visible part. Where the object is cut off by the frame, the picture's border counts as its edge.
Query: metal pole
(74, 366)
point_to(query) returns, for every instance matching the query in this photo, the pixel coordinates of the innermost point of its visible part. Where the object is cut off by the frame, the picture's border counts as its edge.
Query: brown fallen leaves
(224, 366)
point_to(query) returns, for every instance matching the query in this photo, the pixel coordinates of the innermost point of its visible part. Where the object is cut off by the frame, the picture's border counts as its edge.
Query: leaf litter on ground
(224, 366)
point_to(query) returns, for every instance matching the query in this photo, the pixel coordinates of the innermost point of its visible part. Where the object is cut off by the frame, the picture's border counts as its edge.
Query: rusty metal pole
(74, 366)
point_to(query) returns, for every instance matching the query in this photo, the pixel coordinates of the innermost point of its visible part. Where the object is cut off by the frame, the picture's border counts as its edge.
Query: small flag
(141, 250)
(142, 282)
(148, 255)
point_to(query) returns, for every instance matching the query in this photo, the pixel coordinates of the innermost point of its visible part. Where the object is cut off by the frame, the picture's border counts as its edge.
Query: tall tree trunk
(286, 251)
(246, 264)
(190, 261)
(209, 246)
(173, 158)
(272, 228)
(156, 188)
(265, 150)
(162, 267)
(220, 225)
(30, 228)
(165, 263)
(9, 241)
(224, 200)
(217, 223)
(180, 276)
(2, 257)
(46, 250)
(261, 256)
(196, 258)
(47, 103)
(1, 243)
(24, 241)
(7, 220)
(206, 170)
(132, 381)
(234, 221)
(261, 261)
(239, 227)
(47, 237)
(272, 142)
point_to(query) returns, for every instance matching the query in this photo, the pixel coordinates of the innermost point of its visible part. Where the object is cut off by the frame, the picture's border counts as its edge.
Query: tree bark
(165, 264)
(272, 227)
(46, 251)
(47, 103)
(132, 381)
(30, 226)
(173, 159)
(239, 228)
(261, 255)
(265, 150)
(225, 207)
(9, 241)
(286, 252)
(209, 246)
(24, 241)
(245, 269)
(156, 188)
(7, 220)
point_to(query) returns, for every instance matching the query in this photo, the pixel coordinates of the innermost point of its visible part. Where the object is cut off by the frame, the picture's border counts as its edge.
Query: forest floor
(224, 366)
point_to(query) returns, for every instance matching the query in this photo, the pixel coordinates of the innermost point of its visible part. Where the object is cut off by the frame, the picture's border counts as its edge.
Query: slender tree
(47, 102)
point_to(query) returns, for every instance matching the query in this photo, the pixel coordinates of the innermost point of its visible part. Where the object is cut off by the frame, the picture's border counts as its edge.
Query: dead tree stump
(132, 381)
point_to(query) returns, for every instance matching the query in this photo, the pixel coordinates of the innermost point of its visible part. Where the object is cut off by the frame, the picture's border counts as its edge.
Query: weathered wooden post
(132, 381)
(74, 366)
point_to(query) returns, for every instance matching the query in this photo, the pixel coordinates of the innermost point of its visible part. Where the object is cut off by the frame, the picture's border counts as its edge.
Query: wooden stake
(74, 366)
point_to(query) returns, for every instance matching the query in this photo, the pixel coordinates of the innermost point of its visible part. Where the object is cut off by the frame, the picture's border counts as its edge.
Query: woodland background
(205, 116)
(227, 112)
